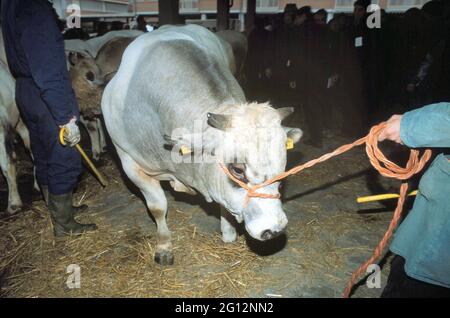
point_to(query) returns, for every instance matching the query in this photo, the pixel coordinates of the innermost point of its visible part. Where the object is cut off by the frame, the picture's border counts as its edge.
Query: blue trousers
(57, 167)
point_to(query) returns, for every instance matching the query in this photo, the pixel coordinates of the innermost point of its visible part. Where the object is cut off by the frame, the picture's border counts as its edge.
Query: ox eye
(238, 171)
(90, 76)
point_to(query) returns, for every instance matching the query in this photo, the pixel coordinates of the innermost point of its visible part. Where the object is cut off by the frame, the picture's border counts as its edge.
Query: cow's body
(170, 79)
(10, 124)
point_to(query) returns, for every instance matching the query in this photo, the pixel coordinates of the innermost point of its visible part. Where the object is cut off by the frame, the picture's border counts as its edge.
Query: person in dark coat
(35, 52)
(282, 57)
(314, 74)
(102, 28)
(429, 79)
(141, 23)
(356, 76)
(335, 91)
(255, 64)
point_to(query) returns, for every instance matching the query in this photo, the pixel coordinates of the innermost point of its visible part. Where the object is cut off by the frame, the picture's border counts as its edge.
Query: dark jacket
(283, 53)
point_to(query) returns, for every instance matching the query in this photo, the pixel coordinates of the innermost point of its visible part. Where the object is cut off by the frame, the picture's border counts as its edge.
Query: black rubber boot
(62, 212)
(77, 209)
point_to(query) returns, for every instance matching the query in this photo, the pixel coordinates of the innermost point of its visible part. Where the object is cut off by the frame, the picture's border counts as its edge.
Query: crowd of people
(347, 70)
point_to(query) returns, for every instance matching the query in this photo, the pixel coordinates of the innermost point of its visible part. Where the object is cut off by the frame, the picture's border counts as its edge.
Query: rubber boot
(77, 209)
(61, 212)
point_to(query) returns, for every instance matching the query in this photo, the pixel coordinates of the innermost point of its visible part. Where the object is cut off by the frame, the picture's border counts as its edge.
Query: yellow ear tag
(185, 150)
(289, 144)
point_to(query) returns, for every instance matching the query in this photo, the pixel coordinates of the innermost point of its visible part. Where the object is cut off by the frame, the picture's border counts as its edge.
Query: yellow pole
(381, 197)
(97, 173)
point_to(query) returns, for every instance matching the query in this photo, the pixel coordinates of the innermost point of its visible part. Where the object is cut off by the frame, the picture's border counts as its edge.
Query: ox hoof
(13, 209)
(229, 237)
(164, 258)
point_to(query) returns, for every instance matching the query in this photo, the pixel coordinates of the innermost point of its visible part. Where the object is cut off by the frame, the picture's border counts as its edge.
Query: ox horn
(284, 112)
(219, 121)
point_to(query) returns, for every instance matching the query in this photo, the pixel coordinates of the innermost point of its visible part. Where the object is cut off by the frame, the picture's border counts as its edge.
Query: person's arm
(44, 49)
(428, 126)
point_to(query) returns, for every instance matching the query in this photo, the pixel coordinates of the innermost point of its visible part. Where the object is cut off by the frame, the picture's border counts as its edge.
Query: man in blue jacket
(35, 51)
(421, 267)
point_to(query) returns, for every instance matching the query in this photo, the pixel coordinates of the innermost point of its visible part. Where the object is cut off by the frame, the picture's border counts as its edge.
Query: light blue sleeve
(428, 126)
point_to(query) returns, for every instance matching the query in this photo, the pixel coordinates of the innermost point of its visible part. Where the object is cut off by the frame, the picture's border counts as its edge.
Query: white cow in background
(10, 124)
(92, 46)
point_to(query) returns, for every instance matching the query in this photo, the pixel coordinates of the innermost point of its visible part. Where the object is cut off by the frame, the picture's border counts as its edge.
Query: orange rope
(383, 165)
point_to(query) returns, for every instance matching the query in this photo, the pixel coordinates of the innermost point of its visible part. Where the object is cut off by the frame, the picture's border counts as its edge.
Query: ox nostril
(267, 235)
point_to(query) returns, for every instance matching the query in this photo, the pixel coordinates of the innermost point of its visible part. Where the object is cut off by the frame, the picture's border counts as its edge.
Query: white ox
(180, 77)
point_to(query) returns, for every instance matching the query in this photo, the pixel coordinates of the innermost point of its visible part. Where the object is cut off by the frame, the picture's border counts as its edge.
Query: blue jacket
(34, 48)
(423, 238)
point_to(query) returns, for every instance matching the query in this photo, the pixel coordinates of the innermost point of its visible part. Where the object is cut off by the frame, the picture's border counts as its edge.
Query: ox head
(88, 83)
(250, 140)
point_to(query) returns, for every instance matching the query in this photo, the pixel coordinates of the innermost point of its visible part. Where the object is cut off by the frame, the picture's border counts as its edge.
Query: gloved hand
(71, 132)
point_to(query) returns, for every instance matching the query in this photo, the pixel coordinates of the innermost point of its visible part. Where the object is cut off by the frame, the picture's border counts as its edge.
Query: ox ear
(293, 133)
(219, 121)
(284, 112)
(75, 58)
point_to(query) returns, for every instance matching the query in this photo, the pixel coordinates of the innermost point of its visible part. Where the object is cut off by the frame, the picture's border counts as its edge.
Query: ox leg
(9, 171)
(101, 134)
(229, 234)
(92, 129)
(156, 203)
(24, 134)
